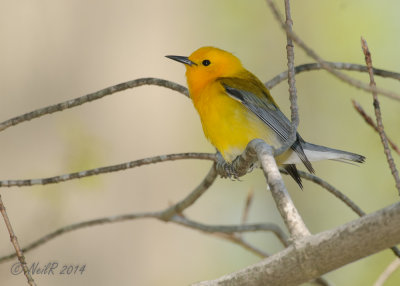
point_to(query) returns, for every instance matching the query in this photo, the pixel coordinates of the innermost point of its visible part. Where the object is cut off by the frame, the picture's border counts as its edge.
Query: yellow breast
(228, 124)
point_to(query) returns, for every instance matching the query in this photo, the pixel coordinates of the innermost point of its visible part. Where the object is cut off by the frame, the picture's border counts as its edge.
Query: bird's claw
(226, 170)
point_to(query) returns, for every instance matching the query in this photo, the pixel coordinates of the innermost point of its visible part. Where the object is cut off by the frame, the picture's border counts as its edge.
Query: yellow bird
(235, 107)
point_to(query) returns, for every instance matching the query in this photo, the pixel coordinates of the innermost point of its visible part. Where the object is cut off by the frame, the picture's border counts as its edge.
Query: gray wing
(270, 114)
(264, 110)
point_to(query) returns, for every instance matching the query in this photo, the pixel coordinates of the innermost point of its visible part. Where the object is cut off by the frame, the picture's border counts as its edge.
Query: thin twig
(371, 123)
(378, 115)
(341, 196)
(388, 271)
(294, 109)
(189, 200)
(232, 228)
(335, 65)
(321, 281)
(106, 169)
(157, 215)
(238, 239)
(310, 52)
(18, 252)
(247, 205)
(92, 96)
(170, 214)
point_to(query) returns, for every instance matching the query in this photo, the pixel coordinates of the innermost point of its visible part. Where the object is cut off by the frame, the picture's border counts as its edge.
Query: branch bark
(378, 116)
(284, 203)
(318, 254)
(310, 52)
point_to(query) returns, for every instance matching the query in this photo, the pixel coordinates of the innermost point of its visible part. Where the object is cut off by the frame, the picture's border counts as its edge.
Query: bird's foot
(226, 170)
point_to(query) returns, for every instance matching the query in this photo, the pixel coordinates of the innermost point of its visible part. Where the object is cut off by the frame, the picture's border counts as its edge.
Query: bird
(235, 107)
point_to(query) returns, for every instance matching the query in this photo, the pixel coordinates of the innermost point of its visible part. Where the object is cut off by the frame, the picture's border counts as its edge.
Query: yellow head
(207, 64)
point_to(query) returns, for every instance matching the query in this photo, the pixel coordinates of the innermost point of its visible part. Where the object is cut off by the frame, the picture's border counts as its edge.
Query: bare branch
(189, 200)
(341, 196)
(378, 116)
(107, 169)
(371, 123)
(322, 62)
(284, 203)
(238, 239)
(247, 205)
(318, 254)
(258, 149)
(388, 271)
(171, 214)
(294, 109)
(14, 241)
(178, 219)
(334, 65)
(232, 228)
(92, 96)
(321, 281)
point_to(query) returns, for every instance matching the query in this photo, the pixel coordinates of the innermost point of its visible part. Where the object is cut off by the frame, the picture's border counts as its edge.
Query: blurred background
(52, 51)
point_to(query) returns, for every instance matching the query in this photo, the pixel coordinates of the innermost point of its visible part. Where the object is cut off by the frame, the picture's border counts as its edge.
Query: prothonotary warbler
(235, 107)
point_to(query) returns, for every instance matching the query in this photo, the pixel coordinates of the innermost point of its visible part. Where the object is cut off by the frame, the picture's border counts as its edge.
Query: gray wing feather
(272, 116)
(267, 112)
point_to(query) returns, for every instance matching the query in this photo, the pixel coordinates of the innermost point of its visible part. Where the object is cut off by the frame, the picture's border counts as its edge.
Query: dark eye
(206, 63)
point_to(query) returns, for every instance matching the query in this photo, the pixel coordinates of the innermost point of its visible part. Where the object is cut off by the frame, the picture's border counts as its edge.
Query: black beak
(183, 60)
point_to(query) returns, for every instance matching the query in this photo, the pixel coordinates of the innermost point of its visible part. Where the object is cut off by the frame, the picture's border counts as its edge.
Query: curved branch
(388, 271)
(310, 52)
(107, 169)
(162, 215)
(189, 200)
(233, 228)
(335, 65)
(171, 214)
(371, 123)
(224, 229)
(92, 96)
(315, 255)
(378, 116)
(352, 205)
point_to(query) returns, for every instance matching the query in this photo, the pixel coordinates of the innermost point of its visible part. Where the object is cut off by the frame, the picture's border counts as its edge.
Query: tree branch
(107, 169)
(288, 211)
(294, 109)
(378, 115)
(371, 123)
(318, 254)
(388, 271)
(92, 96)
(257, 149)
(334, 65)
(338, 194)
(310, 52)
(171, 214)
(18, 252)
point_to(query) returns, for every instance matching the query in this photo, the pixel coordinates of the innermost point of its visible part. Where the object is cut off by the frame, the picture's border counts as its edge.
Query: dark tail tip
(292, 171)
(359, 158)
